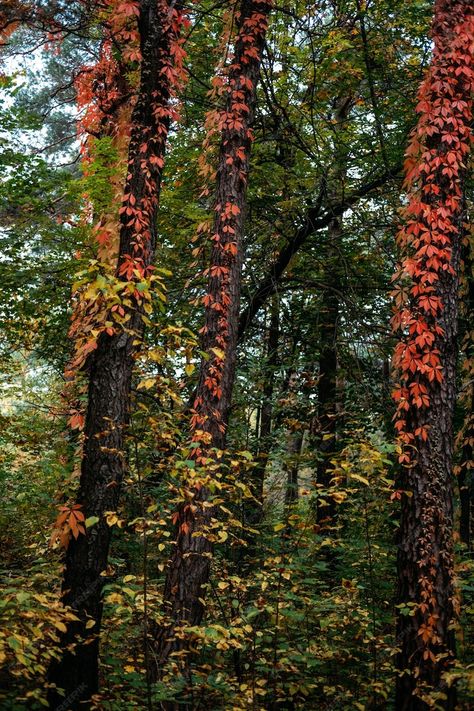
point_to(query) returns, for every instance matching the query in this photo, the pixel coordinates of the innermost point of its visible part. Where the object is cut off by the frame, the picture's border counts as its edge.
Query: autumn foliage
(204, 502)
(435, 165)
(427, 314)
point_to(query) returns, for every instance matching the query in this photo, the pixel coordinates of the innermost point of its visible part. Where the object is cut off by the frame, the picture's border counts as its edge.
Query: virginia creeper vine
(426, 301)
(189, 567)
(115, 343)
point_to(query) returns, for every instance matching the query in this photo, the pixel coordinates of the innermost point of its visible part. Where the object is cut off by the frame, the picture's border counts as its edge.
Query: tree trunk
(426, 356)
(329, 324)
(253, 511)
(328, 370)
(111, 364)
(189, 567)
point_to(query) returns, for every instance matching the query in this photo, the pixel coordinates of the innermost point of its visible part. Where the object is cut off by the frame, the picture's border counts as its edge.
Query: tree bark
(427, 357)
(425, 552)
(189, 567)
(111, 364)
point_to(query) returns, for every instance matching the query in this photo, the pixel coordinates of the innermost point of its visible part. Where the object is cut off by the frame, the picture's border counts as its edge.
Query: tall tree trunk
(426, 357)
(253, 512)
(329, 321)
(328, 370)
(111, 364)
(289, 416)
(189, 567)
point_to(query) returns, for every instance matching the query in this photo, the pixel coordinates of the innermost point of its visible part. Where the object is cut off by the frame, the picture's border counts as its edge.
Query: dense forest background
(210, 252)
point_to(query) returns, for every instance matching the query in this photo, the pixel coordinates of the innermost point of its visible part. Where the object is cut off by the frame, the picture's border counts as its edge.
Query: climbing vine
(232, 123)
(435, 165)
(426, 302)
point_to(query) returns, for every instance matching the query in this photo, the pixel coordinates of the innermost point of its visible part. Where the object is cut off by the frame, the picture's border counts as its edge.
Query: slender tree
(330, 316)
(189, 567)
(111, 359)
(253, 513)
(427, 315)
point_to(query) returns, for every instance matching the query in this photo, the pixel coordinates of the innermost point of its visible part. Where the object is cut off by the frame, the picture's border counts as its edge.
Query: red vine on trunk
(434, 166)
(426, 303)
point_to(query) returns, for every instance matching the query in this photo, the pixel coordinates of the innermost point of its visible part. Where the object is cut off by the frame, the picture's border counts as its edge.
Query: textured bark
(189, 567)
(110, 373)
(425, 552)
(426, 523)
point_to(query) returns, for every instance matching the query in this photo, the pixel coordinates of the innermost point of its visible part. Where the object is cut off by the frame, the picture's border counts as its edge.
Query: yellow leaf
(111, 518)
(218, 352)
(147, 383)
(115, 598)
(362, 479)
